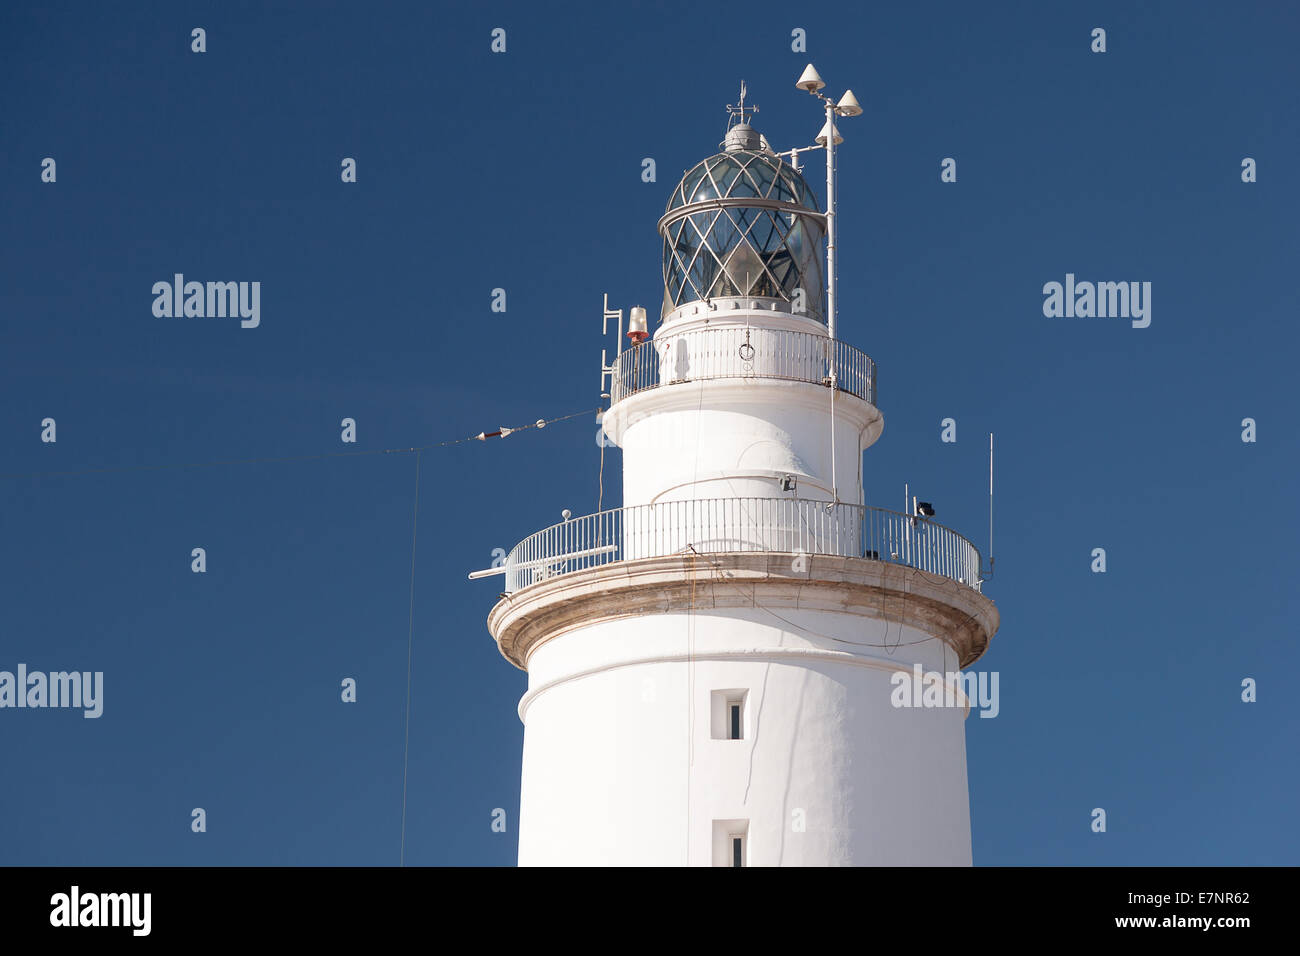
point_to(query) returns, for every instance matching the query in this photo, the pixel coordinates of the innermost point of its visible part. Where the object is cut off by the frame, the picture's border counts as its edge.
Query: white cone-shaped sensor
(810, 80)
(821, 137)
(849, 105)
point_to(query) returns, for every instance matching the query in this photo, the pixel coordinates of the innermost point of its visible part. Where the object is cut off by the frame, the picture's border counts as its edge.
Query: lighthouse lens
(743, 224)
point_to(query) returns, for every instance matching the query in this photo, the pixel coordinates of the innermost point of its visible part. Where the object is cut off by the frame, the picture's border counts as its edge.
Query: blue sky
(522, 171)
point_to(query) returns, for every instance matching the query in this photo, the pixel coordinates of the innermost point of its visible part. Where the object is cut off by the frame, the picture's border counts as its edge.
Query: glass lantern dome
(744, 224)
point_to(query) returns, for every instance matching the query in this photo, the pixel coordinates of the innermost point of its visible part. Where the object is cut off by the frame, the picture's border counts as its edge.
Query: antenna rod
(990, 501)
(609, 314)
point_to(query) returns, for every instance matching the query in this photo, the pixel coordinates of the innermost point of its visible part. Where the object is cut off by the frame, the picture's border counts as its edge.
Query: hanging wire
(410, 641)
(600, 493)
(123, 469)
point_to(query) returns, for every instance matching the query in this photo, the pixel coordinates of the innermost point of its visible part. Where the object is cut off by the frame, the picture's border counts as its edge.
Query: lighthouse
(714, 667)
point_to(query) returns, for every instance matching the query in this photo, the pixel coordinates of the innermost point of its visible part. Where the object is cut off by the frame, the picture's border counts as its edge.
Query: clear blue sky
(522, 171)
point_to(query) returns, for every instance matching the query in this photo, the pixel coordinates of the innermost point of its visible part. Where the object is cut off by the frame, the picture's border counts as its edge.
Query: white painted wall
(620, 766)
(736, 439)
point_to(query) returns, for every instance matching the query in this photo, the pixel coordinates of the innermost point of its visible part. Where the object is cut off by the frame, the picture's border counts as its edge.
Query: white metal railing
(739, 352)
(715, 525)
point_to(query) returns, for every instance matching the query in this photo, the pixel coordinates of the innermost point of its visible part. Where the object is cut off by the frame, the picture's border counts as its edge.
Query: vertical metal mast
(811, 82)
(830, 225)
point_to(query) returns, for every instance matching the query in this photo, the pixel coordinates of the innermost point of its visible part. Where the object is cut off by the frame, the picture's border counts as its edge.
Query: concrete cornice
(954, 613)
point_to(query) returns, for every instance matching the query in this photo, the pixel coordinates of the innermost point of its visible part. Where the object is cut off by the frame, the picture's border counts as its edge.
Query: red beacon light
(636, 325)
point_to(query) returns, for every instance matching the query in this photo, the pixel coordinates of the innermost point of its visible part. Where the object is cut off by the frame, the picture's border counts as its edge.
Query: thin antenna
(990, 504)
(613, 314)
(607, 367)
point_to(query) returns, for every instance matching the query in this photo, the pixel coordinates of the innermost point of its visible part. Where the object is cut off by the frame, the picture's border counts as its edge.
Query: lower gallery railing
(714, 525)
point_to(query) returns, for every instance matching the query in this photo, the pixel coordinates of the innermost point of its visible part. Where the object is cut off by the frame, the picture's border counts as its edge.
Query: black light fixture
(924, 509)
(788, 483)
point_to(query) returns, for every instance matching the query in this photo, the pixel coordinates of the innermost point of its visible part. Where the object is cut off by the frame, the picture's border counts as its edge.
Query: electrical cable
(600, 492)
(481, 436)
(410, 640)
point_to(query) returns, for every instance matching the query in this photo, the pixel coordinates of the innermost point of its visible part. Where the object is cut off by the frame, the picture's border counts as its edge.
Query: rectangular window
(731, 843)
(727, 716)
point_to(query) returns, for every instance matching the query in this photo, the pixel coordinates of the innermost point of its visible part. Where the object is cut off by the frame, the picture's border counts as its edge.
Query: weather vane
(733, 111)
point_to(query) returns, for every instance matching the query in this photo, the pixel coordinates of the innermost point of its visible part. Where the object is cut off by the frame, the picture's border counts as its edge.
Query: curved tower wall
(622, 764)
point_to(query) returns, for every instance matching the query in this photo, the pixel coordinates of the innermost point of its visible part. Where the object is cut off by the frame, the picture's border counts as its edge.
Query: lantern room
(744, 224)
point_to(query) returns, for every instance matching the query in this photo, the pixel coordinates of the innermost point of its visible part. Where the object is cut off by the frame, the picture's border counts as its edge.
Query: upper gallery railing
(738, 352)
(714, 525)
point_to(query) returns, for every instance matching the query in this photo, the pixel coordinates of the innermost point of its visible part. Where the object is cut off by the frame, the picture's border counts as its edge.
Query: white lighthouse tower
(712, 668)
